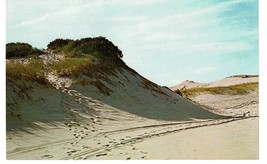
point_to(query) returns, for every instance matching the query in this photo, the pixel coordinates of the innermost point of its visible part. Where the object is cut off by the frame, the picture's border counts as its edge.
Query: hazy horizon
(166, 42)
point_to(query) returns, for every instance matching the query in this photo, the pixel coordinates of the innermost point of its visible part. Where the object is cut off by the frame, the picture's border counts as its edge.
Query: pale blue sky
(167, 41)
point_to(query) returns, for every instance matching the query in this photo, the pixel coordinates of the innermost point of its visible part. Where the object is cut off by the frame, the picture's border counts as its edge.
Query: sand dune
(187, 85)
(124, 116)
(232, 80)
(48, 123)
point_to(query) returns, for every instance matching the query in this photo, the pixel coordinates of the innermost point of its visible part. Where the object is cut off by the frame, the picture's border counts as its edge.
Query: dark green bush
(99, 44)
(58, 43)
(20, 50)
(99, 47)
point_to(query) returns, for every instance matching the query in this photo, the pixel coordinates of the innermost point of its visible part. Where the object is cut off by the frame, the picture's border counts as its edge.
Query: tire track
(104, 150)
(101, 134)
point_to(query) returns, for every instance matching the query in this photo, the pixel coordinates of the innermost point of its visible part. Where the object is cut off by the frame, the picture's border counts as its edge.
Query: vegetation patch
(99, 47)
(33, 71)
(94, 58)
(239, 89)
(17, 50)
(73, 66)
(178, 92)
(245, 76)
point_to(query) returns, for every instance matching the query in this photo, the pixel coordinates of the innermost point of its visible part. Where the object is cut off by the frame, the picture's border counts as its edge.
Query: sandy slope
(95, 130)
(231, 105)
(69, 123)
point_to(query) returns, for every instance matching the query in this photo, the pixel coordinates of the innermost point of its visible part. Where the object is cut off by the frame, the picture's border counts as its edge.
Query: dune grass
(33, 71)
(239, 89)
(72, 66)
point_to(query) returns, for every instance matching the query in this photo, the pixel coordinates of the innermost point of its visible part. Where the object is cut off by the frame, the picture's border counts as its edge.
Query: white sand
(235, 140)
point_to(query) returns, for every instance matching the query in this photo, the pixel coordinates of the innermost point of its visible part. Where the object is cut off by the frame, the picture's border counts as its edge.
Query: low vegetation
(72, 66)
(238, 89)
(32, 71)
(178, 92)
(91, 59)
(85, 56)
(18, 50)
(245, 76)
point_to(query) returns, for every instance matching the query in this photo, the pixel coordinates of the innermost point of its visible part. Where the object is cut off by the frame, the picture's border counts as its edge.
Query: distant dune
(231, 80)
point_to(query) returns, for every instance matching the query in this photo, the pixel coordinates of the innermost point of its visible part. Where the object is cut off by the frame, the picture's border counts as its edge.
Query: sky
(167, 42)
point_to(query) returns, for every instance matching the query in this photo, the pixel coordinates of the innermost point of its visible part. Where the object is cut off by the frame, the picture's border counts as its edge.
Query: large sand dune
(119, 118)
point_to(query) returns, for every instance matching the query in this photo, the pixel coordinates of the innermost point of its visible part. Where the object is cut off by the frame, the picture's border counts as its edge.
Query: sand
(137, 120)
(220, 83)
(221, 139)
(235, 140)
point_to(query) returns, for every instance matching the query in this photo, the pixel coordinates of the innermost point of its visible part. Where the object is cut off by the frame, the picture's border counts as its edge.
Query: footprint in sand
(102, 154)
(108, 149)
(85, 147)
(71, 152)
(47, 156)
(143, 152)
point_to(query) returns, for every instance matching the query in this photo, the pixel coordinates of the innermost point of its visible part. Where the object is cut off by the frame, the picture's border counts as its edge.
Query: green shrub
(99, 47)
(21, 50)
(58, 44)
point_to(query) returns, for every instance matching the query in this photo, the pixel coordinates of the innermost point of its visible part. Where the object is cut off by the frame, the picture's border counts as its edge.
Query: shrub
(58, 44)
(99, 47)
(178, 92)
(20, 50)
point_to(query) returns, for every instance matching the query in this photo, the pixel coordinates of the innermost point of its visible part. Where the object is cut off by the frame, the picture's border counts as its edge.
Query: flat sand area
(234, 140)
